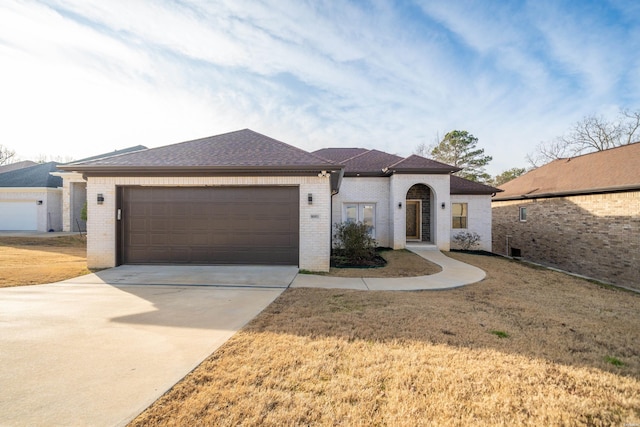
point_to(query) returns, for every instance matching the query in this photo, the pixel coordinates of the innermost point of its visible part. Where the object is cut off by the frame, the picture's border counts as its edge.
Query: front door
(414, 209)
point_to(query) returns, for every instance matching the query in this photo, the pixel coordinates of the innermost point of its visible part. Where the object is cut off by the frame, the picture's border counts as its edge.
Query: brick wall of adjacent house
(478, 218)
(593, 235)
(315, 218)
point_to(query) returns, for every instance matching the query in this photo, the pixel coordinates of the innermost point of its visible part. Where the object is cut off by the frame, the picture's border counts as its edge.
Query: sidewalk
(454, 274)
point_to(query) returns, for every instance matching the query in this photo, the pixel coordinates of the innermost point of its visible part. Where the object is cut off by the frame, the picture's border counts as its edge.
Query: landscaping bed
(398, 263)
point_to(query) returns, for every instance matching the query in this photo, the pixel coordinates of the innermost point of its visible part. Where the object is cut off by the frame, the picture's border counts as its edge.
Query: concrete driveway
(97, 350)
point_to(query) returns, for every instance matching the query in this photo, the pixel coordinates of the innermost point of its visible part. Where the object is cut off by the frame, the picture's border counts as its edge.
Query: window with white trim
(361, 212)
(523, 214)
(459, 215)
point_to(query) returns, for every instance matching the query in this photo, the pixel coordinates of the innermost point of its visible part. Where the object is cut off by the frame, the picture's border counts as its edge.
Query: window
(523, 214)
(459, 212)
(361, 212)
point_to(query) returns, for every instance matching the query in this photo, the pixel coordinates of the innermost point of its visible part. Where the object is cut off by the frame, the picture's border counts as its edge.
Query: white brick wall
(366, 190)
(478, 220)
(49, 213)
(440, 186)
(68, 181)
(386, 193)
(315, 219)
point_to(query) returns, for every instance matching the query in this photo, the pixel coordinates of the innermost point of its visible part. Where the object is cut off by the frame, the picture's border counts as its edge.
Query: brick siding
(48, 214)
(478, 218)
(315, 219)
(365, 190)
(594, 235)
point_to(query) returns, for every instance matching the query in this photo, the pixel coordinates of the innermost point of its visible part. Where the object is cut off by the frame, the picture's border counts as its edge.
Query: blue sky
(81, 77)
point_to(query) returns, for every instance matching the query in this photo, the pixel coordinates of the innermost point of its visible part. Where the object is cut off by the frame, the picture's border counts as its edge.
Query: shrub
(353, 243)
(466, 240)
(83, 212)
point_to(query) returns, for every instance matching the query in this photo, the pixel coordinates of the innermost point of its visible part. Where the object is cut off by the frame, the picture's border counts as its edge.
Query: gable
(363, 162)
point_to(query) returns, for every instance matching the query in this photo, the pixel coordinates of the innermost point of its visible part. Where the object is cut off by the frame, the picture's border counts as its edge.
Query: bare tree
(592, 133)
(46, 158)
(548, 151)
(631, 125)
(423, 149)
(6, 155)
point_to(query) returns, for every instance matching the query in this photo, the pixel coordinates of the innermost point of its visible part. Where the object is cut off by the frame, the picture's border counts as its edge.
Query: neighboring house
(74, 191)
(410, 199)
(17, 165)
(580, 214)
(245, 198)
(31, 199)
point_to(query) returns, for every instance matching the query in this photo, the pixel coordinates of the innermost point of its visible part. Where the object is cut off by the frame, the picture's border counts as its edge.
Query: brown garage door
(209, 225)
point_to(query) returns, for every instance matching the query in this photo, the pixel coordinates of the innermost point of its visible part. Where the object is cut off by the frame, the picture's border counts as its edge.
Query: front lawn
(38, 260)
(524, 346)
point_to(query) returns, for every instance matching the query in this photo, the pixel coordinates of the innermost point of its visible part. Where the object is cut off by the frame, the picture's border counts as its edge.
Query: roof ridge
(325, 159)
(289, 145)
(595, 152)
(109, 155)
(398, 162)
(357, 155)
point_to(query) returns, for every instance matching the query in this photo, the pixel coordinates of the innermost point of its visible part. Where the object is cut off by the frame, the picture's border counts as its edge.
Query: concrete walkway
(98, 349)
(454, 274)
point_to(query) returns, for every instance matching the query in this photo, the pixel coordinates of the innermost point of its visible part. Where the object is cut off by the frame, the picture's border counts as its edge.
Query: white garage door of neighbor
(18, 216)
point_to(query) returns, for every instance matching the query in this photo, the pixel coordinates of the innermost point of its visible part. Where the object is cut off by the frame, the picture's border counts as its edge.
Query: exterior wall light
(38, 202)
(399, 205)
(100, 198)
(310, 198)
(442, 205)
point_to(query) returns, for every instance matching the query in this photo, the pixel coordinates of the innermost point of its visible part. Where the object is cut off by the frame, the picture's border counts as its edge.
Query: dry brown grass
(335, 357)
(34, 261)
(400, 263)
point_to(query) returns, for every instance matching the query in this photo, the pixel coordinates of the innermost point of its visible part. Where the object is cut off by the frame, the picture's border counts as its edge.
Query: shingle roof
(112, 153)
(16, 165)
(339, 155)
(363, 162)
(34, 176)
(371, 162)
(464, 186)
(419, 163)
(602, 171)
(239, 150)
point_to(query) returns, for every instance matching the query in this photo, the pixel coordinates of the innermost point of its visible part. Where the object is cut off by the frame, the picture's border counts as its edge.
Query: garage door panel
(159, 239)
(211, 225)
(18, 215)
(139, 239)
(158, 224)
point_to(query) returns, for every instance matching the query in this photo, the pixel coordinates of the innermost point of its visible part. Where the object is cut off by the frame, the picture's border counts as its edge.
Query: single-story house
(16, 165)
(74, 191)
(245, 198)
(30, 198)
(412, 199)
(579, 214)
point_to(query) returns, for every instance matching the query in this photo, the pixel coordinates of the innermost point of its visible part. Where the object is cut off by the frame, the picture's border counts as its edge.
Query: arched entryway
(418, 209)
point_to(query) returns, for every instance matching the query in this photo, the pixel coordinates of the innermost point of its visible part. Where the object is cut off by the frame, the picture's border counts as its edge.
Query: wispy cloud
(94, 76)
